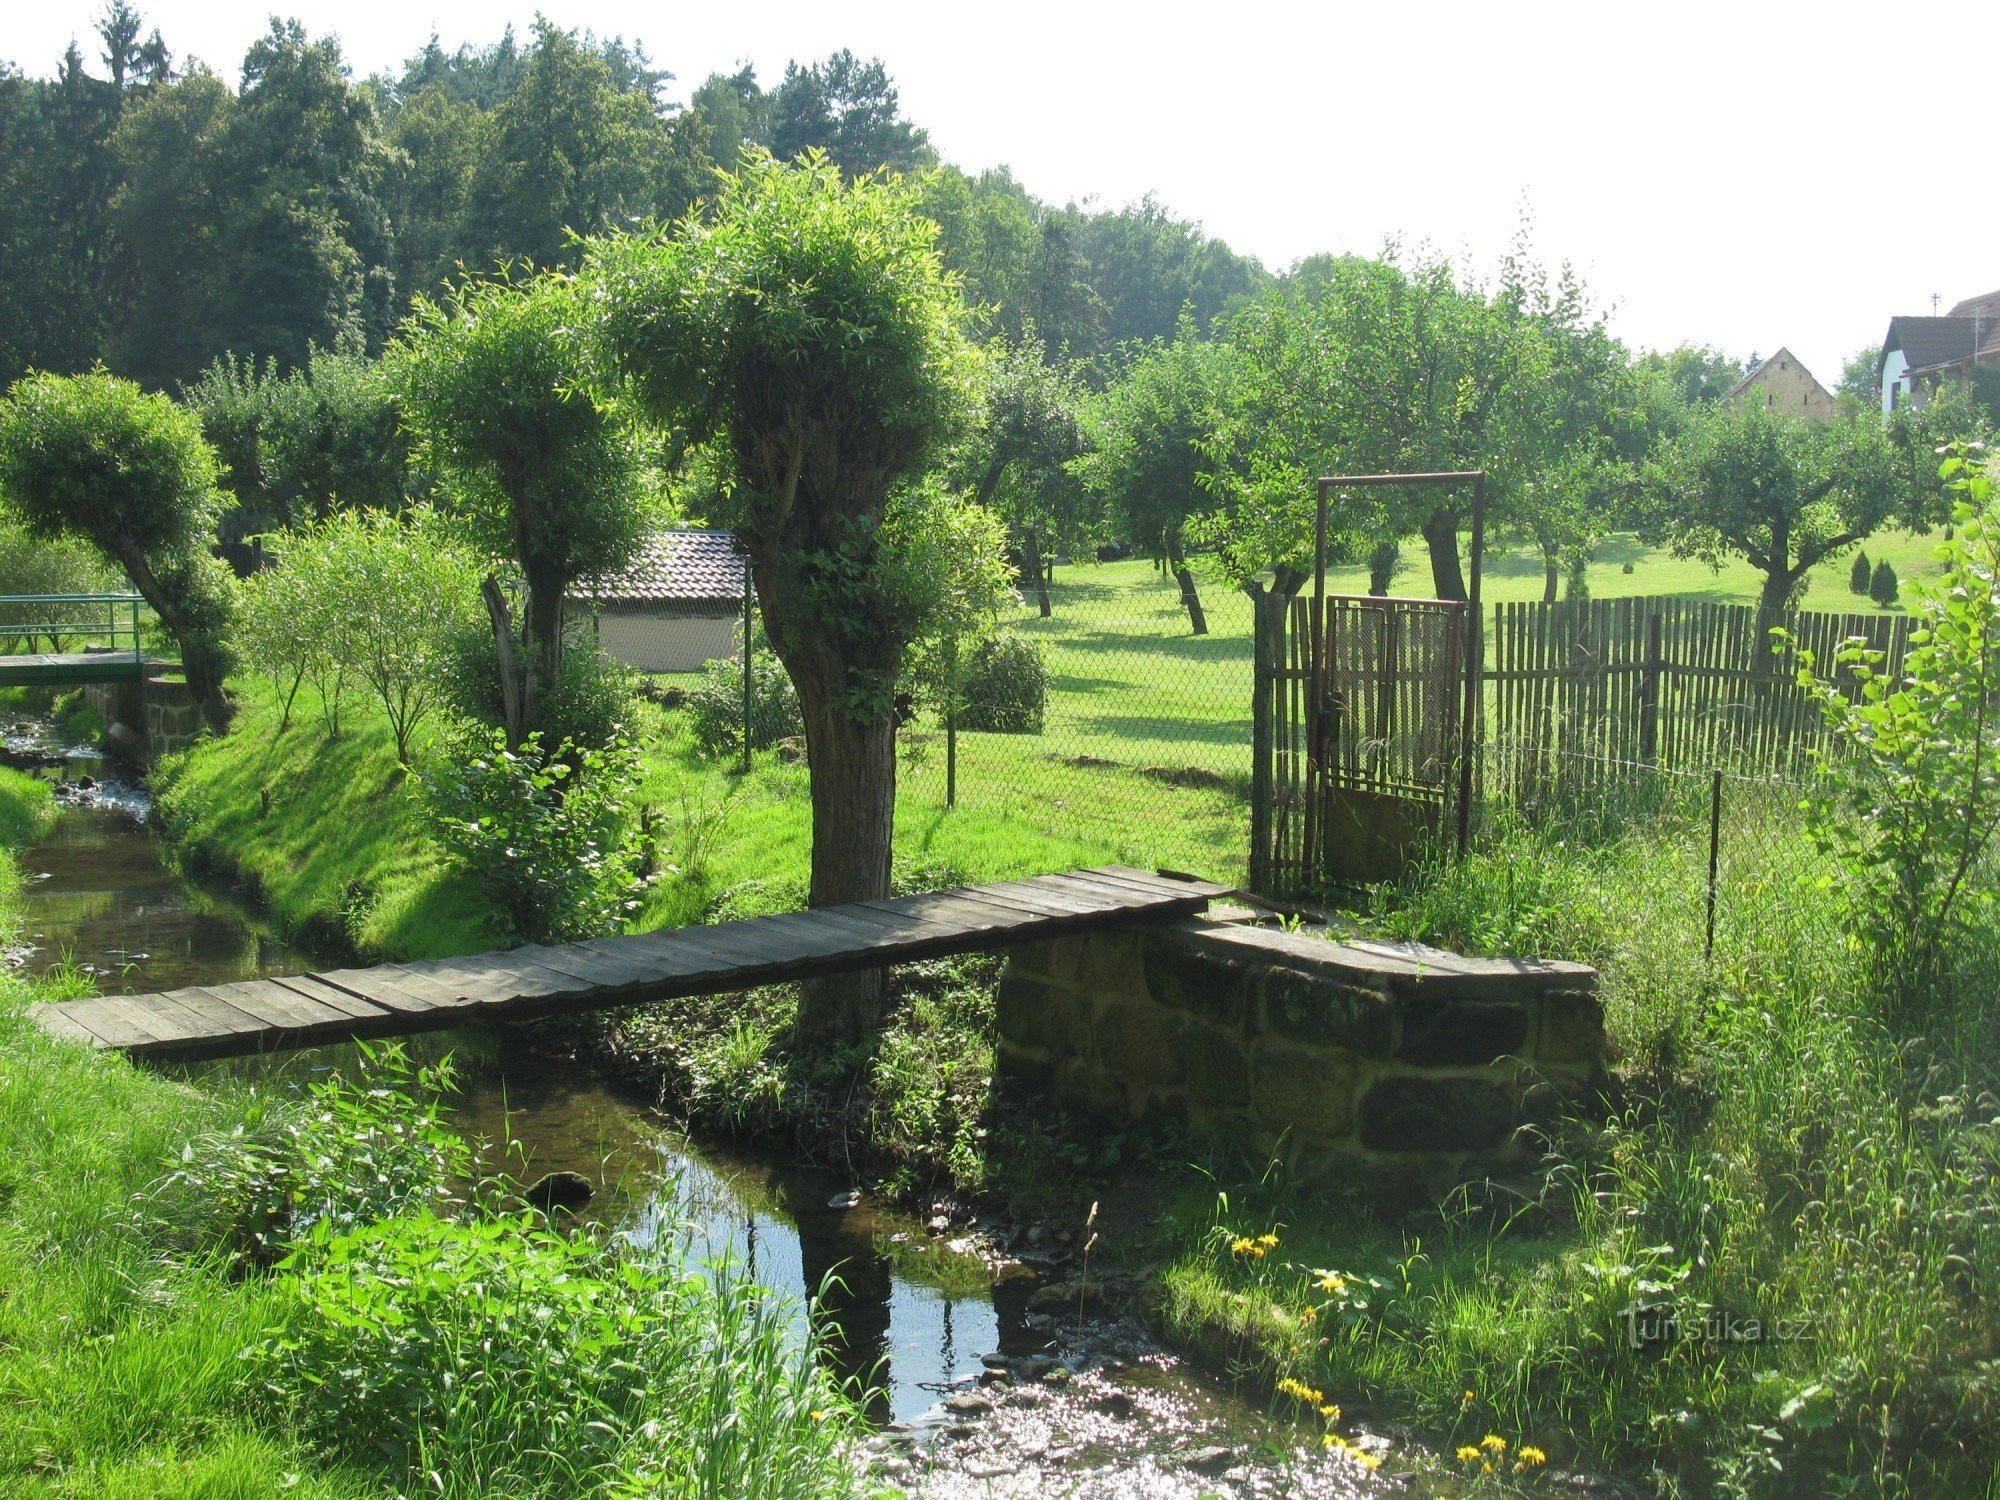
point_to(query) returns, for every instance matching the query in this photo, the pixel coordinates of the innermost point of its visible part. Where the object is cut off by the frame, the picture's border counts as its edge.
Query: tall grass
(1778, 1152)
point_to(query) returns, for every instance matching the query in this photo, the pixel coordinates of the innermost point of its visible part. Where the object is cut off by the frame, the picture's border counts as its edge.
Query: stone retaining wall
(146, 718)
(1294, 1048)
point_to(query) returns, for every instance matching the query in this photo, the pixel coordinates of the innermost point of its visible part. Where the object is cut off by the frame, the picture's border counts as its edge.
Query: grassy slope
(118, 1369)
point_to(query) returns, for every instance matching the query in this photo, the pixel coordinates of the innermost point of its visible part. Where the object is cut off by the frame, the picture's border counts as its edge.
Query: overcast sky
(1744, 174)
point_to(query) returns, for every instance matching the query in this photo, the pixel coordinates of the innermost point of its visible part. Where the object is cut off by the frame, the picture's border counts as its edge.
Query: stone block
(1572, 1028)
(1038, 960)
(1212, 989)
(1218, 1072)
(1311, 1008)
(1307, 1090)
(1141, 1041)
(1110, 963)
(1034, 1013)
(1094, 1090)
(1436, 1114)
(1461, 1033)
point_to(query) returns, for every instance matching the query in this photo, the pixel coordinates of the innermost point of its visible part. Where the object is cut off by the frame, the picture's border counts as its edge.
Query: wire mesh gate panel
(1391, 684)
(1359, 787)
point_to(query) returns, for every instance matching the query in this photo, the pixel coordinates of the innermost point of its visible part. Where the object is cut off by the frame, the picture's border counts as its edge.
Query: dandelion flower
(1268, 1241)
(1468, 1454)
(819, 1416)
(1332, 1283)
(1493, 1443)
(1530, 1457)
(1309, 1315)
(1467, 1399)
(1330, 1412)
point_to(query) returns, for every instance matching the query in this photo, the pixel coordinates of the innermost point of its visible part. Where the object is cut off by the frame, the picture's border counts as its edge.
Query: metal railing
(107, 622)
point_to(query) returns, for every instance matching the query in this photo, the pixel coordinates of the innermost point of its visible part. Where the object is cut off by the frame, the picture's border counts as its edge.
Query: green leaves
(1911, 796)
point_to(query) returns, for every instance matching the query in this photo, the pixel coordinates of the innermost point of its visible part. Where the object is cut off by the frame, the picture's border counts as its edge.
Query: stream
(976, 1392)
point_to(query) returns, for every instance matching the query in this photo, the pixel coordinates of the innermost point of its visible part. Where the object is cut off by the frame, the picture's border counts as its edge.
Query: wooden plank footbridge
(111, 620)
(268, 1015)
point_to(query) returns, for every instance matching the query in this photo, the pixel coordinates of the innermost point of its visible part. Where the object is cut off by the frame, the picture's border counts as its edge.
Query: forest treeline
(155, 216)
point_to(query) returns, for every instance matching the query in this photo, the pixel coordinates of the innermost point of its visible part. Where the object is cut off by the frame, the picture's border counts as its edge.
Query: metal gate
(1383, 776)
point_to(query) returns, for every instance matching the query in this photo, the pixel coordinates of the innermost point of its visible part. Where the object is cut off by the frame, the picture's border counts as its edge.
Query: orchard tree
(1781, 494)
(494, 385)
(807, 323)
(127, 470)
(1020, 454)
(1146, 460)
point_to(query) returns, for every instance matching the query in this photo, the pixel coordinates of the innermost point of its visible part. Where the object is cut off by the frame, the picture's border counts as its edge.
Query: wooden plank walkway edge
(533, 982)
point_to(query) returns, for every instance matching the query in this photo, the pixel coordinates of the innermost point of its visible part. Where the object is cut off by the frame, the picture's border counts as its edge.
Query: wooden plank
(1117, 891)
(278, 1007)
(1070, 902)
(376, 990)
(109, 1026)
(1172, 885)
(596, 967)
(55, 1019)
(219, 1018)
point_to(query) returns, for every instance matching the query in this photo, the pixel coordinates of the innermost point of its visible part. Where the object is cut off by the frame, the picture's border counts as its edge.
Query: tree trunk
(1551, 576)
(542, 629)
(1776, 595)
(1032, 549)
(853, 773)
(1441, 536)
(510, 667)
(201, 662)
(1190, 600)
(1382, 567)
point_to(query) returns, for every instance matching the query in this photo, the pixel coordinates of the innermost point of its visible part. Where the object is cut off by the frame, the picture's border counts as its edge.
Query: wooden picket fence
(1677, 684)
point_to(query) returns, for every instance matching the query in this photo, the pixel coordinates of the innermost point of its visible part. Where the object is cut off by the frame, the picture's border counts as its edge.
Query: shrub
(716, 705)
(542, 830)
(1883, 587)
(1911, 797)
(592, 703)
(1005, 687)
(1861, 575)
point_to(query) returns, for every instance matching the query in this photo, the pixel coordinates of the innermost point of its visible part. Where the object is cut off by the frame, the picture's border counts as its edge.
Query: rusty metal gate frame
(1319, 716)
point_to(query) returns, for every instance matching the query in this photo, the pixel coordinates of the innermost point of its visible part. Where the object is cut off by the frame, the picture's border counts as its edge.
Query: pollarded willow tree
(496, 388)
(128, 471)
(807, 323)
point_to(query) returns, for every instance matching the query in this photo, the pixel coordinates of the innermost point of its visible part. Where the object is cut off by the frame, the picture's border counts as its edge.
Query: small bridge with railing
(90, 638)
(533, 981)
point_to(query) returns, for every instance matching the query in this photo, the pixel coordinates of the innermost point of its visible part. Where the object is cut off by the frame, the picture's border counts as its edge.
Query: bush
(1883, 587)
(542, 830)
(1861, 575)
(716, 705)
(1005, 687)
(592, 703)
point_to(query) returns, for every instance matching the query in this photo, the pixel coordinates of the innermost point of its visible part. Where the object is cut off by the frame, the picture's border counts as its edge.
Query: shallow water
(975, 1394)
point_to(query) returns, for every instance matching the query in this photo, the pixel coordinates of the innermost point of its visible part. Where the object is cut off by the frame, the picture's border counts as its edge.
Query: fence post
(1649, 692)
(1265, 607)
(747, 689)
(951, 724)
(1714, 853)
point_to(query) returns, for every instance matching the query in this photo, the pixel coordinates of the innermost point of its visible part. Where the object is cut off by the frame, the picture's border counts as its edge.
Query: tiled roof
(675, 566)
(1930, 341)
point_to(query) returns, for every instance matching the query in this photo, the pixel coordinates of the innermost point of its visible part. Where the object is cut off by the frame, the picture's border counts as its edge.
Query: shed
(676, 606)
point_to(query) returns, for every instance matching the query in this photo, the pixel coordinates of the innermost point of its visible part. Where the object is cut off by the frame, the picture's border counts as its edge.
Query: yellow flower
(1247, 1247)
(1467, 1399)
(1332, 1283)
(1468, 1454)
(1310, 1315)
(819, 1416)
(1530, 1457)
(1330, 1412)
(1299, 1390)
(1493, 1443)
(1268, 1241)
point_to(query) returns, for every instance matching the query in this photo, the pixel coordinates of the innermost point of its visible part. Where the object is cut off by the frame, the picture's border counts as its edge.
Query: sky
(1747, 175)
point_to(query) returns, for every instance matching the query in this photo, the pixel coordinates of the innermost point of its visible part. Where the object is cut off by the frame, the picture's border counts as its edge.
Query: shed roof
(676, 567)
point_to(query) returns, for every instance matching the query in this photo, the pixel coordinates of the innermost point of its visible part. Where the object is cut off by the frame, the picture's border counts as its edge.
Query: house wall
(1783, 385)
(670, 642)
(1895, 381)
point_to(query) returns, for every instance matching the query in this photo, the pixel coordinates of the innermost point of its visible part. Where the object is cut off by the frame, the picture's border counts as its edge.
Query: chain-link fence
(1140, 745)
(1725, 849)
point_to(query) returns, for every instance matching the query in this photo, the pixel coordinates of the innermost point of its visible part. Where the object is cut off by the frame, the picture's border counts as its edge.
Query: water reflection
(891, 1329)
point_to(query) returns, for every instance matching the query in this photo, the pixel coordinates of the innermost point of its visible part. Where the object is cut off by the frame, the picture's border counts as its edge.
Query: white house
(1921, 354)
(678, 606)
